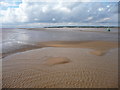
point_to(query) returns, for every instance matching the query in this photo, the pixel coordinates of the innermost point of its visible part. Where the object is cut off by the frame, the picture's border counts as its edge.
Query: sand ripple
(84, 70)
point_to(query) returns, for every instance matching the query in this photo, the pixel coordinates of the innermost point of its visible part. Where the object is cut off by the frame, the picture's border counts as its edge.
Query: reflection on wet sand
(16, 40)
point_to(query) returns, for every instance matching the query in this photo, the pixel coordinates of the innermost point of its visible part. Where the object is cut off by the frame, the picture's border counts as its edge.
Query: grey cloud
(56, 12)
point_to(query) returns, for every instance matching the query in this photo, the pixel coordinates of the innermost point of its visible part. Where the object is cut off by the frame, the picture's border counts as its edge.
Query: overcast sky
(80, 12)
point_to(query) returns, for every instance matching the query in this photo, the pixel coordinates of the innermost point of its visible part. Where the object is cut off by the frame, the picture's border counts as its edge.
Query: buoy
(108, 29)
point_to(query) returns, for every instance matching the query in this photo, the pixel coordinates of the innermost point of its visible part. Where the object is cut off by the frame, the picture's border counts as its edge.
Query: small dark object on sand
(108, 29)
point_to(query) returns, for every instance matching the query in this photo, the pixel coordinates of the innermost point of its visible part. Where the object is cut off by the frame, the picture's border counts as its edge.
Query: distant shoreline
(82, 27)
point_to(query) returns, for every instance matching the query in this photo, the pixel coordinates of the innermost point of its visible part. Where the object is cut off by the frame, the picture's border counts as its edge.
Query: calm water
(17, 38)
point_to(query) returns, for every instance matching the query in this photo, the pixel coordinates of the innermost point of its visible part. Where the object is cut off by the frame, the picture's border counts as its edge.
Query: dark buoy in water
(108, 29)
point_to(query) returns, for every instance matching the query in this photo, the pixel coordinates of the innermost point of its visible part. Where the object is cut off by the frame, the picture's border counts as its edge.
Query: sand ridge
(100, 47)
(56, 60)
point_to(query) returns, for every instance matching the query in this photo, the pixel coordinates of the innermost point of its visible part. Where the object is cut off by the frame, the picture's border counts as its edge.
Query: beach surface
(79, 59)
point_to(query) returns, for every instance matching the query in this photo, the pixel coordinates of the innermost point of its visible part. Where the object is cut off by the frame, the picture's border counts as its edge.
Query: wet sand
(18, 40)
(100, 47)
(63, 64)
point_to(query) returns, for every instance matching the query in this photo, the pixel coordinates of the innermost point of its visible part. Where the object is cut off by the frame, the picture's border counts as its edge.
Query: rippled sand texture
(74, 68)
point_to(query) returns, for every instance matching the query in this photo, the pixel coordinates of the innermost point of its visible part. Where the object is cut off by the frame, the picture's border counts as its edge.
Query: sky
(38, 13)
